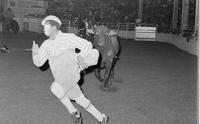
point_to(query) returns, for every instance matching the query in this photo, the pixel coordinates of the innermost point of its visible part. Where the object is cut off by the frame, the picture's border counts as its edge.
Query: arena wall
(190, 46)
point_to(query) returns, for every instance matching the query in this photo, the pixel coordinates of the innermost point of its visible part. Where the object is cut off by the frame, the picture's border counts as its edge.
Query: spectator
(138, 21)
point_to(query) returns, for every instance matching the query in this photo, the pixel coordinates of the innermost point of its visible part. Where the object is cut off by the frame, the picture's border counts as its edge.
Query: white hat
(51, 17)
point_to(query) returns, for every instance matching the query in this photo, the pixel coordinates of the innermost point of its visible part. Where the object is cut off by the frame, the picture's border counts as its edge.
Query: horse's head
(101, 34)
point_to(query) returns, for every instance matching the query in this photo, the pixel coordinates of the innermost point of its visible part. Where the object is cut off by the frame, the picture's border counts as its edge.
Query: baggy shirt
(63, 59)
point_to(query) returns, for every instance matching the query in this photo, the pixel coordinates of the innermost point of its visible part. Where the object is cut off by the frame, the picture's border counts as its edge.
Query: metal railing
(34, 23)
(118, 26)
(126, 30)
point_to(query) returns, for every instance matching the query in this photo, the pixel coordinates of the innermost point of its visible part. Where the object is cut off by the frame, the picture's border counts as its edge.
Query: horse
(107, 43)
(9, 25)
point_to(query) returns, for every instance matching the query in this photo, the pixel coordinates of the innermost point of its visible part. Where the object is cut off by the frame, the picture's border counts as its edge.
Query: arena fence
(125, 30)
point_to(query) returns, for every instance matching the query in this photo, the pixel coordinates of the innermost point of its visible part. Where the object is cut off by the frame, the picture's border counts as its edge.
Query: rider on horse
(9, 23)
(9, 15)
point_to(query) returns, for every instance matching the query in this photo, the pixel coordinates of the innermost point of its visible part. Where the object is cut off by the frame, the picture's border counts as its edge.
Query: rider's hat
(53, 18)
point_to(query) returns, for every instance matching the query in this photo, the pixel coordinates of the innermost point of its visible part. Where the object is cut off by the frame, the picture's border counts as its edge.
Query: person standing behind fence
(66, 65)
(138, 21)
(9, 14)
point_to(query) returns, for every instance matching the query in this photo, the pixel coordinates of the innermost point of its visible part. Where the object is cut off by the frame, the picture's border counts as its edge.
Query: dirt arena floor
(155, 83)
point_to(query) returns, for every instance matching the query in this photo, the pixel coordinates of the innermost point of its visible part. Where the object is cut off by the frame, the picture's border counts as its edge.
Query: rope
(81, 29)
(4, 49)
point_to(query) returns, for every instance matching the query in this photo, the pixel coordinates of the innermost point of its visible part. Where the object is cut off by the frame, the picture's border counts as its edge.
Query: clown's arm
(87, 53)
(39, 54)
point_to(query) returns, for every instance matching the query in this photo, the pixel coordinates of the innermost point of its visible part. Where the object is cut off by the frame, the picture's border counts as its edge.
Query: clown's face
(48, 29)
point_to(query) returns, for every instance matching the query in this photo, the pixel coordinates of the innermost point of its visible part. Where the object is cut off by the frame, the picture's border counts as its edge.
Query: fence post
(118, 24)
(126, 30)
(69, 27)
(1, 29)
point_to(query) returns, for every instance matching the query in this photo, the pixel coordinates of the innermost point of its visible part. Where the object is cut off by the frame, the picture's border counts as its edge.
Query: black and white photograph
(99, 61)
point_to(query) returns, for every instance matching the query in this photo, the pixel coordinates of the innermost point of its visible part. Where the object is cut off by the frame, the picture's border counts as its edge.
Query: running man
(66, 65)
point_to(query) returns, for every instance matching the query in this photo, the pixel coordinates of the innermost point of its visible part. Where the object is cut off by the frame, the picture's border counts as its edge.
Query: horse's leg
(16, 28)
(113, 68)
(4, 30)
(98, 74)
(107, 75)
(98, 68)
(111, 75)
(15, 31)
(7, 31)
(112, 71)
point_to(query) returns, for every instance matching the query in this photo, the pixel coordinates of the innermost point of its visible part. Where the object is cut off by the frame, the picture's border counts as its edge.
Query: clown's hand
(35, 48)
(82, 64)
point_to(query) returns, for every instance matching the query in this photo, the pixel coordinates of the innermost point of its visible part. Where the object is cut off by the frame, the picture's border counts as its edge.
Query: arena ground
(155, 83)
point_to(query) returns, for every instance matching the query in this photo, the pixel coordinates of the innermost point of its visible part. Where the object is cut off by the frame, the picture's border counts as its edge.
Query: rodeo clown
(66, 65)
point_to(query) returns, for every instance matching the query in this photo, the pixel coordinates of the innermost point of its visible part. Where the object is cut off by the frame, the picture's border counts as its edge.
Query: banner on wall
(22, 7)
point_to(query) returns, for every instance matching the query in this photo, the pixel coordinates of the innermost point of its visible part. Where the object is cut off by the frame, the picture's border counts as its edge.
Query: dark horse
(107, 43)
(9, 25)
